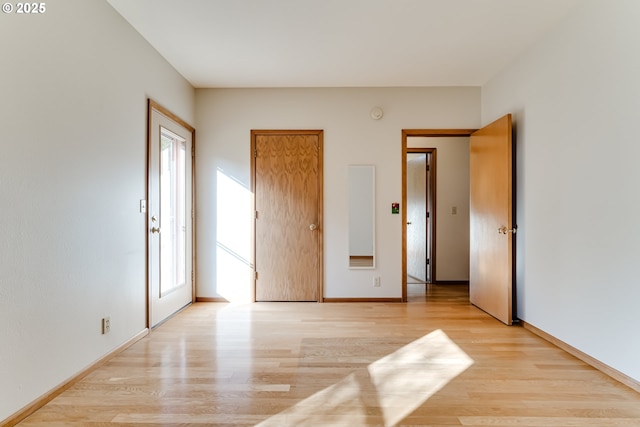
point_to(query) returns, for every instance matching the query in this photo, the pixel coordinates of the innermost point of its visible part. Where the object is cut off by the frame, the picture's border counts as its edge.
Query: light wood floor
(436, 361)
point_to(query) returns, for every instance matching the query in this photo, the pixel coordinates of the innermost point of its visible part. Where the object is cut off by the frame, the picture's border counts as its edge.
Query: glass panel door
(170, 219)
(173, 212)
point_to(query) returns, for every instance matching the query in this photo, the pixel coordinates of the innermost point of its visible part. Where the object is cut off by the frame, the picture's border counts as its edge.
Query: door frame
(320, 229)
(421, 133)
(151, 106)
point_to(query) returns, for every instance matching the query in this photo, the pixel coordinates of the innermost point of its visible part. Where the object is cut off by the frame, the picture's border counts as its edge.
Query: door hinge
(255, 153)
(428, 261)
(256, 214)
(193, 276)
(428, 214)
(255, 275)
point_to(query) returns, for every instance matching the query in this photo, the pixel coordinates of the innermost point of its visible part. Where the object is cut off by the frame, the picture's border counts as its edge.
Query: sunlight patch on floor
(389, 390)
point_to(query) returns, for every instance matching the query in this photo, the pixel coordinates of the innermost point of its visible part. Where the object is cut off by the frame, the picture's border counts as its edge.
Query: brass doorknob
(505, 230)
(313, 227)
(155, 230)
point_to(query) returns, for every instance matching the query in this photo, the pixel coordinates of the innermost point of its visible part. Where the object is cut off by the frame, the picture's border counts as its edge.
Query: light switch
(143, 206)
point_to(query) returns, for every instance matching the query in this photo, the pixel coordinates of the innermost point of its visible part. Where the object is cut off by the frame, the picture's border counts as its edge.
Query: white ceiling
(341, 43)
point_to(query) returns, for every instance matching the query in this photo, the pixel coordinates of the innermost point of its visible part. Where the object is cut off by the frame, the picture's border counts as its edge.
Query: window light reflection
(389, 390)
(233, 246)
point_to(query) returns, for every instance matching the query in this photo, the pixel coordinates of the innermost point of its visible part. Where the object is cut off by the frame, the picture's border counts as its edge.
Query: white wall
(73, 85)
(224, 119)
(452, 190)
(576, 100)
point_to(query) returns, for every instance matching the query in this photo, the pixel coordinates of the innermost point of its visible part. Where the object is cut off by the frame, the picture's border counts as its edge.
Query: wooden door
(170, 214)
(287, 184)
(492, 225)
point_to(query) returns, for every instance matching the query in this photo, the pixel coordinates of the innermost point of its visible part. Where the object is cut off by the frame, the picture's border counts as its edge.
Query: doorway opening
(443, 222)
(421, 165)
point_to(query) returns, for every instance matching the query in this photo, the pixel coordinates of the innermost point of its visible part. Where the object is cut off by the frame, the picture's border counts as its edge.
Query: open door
(492, 225)
(419, 201)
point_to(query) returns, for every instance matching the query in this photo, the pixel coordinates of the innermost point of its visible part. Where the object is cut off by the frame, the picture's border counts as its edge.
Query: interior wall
(224, 119)
(575, 98)
(74, 83)
(452, 191)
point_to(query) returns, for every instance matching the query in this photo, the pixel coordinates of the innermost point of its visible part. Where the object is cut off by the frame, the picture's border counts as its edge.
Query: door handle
(408, 222)
(505, 230)
(312, 227)
(155, 230)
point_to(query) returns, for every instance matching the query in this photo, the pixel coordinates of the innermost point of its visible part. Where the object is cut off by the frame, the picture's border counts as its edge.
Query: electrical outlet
(376, 282)
(106, 325)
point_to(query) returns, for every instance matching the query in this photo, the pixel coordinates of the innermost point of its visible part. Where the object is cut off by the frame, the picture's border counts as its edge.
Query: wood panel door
(287, 184)
(492, 223)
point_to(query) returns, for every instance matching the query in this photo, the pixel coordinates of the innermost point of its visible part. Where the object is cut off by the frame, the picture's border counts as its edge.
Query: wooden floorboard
(435, 361)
